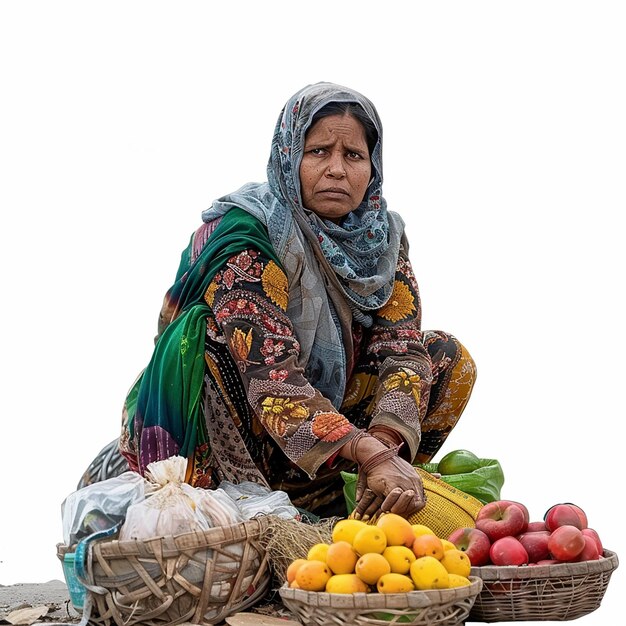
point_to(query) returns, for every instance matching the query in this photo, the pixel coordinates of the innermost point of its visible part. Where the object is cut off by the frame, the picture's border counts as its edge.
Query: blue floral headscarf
(363, 250)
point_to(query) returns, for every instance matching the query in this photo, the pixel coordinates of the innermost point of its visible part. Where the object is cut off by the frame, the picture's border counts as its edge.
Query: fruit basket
(200, 577)
(563, 591)
(444, 607)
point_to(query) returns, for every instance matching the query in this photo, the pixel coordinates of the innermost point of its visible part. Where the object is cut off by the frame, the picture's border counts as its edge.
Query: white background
(504, 152)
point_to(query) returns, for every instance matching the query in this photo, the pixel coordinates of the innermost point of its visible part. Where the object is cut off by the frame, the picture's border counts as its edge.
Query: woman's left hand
(392, 486)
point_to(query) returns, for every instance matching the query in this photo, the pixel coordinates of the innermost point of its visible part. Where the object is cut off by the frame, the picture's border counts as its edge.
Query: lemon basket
(200, 577)
(559, 592)
(444, 607)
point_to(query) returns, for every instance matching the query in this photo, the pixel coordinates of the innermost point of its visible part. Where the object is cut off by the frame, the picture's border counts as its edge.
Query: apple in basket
(566, 542)
(473, 542)
(502, 518)
(508, 551)
(536, 544)
(565, 514)
(590, 532)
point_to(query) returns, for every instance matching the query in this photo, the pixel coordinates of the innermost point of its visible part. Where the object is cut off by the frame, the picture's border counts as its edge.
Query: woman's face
(336, 168)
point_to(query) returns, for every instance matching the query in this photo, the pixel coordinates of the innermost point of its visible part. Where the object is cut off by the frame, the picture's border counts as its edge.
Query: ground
(55, 596)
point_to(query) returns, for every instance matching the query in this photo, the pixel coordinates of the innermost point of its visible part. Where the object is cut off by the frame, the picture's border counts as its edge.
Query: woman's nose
(336, 167)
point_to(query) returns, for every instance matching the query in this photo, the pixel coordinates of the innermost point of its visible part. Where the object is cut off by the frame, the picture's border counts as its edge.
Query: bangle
(377, 458)
(360, 433)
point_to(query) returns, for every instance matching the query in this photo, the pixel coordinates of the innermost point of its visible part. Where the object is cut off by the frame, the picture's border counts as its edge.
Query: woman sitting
(290, 346)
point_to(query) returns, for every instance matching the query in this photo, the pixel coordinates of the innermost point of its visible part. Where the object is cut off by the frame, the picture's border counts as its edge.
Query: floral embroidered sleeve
(404, 368)
(249, 298)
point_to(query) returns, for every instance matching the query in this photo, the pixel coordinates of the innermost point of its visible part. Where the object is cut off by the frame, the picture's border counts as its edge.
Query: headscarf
(363, 250)
(336, 271)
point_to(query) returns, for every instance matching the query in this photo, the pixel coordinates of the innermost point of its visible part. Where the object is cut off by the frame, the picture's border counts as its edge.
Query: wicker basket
(444, 607)
(564, 591)
(201, 577)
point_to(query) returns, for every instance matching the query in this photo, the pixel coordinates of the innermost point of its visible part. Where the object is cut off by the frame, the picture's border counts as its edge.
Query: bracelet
(377, 458)
(360, 433)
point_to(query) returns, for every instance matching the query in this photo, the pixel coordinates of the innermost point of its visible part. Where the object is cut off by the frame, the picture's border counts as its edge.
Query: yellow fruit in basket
(346, 529)
(294, 585)
(400, 558)
(293, 568)
(456, 580)
(341, 557)
(370, 539)
(427, 572)
(421, 529)
(318, 552)
(428, 545)
(371, 566)
(456, 562)
(448, 545)
(397, 530)
(346, 583)
(395, 583)
(313, 576)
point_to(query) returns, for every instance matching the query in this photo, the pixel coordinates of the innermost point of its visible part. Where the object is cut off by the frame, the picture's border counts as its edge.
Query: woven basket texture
(200, 577)
(564, 591)
(443, 607)
(447, 508)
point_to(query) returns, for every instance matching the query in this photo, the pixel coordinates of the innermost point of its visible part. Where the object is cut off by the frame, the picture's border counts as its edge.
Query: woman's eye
(355, 155)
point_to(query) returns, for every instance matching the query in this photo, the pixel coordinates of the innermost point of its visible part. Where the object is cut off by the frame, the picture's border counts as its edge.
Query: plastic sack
(100, 506)
(484, 483)
(167, 511)
(215, 505)
(253, 499)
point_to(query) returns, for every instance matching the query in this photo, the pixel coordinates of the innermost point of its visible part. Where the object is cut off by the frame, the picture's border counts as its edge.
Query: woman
(289, 347)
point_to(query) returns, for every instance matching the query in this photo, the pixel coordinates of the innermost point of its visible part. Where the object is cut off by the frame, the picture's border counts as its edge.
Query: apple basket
(563, 591)
(444, 607)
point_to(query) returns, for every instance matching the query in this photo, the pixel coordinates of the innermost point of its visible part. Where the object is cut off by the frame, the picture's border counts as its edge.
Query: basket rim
(608, 562)
(169, 545)
(367, 601)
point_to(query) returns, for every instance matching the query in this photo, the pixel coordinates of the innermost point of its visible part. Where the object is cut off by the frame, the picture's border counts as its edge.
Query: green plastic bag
(483, 483)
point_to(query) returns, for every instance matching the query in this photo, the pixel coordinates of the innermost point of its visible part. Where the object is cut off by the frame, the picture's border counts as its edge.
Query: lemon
(458, 462)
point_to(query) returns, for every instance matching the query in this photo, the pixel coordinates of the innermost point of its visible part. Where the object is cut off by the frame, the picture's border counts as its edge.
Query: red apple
(474, 543)
(520, 505)
(536, 526)
(508, 551)
(594, 535)
(590, 551)
(548, 562)
(563, 515)
(566, 542)
(536, 544)
(501, 518)
(581, 514)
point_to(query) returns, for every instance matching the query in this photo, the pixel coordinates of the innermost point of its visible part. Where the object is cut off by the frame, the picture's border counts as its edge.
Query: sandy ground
(53, 594)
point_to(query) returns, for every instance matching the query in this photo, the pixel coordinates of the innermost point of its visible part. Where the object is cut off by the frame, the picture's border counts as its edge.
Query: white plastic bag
(253, 499)
(169, 510)
(107, 501)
